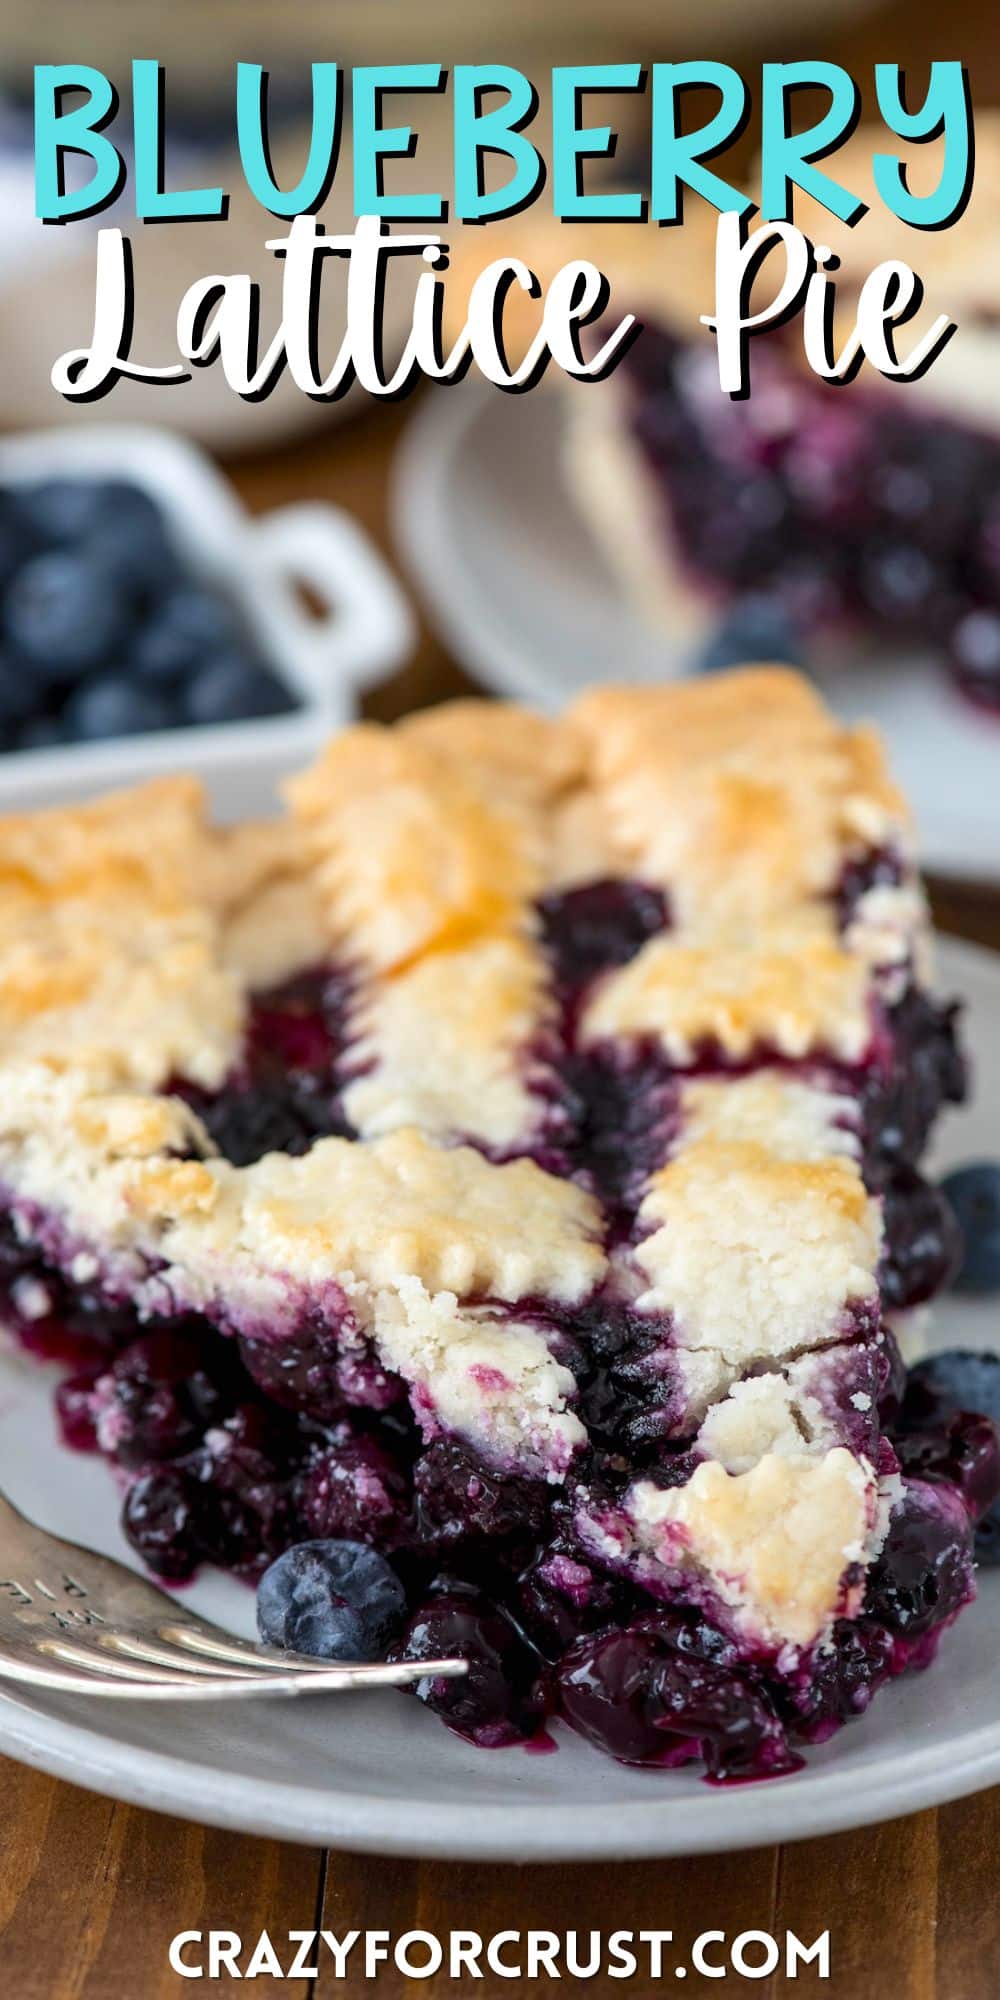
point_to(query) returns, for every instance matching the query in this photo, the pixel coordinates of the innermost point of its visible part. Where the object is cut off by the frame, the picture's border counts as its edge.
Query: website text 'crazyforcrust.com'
(509, 1954)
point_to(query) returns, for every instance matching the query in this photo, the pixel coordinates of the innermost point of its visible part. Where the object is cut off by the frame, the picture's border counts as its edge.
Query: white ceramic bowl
(363, 630)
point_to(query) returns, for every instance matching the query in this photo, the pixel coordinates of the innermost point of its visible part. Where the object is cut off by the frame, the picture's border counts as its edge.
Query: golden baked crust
(789, 986)
(451, 1044)
(417, 861)
(774, 1543)
(747, 1249)
(739, 792)
(409, 853)
(109, 938)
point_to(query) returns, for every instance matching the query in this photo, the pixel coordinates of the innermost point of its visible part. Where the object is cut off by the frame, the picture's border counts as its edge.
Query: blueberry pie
(509, 1159)
(836, 517)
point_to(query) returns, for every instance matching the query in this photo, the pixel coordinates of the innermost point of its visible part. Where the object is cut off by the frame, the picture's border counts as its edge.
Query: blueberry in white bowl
(335, 1600)
(104, 632)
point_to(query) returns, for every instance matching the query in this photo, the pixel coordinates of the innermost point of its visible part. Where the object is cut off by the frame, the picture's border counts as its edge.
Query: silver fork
(83, 1624)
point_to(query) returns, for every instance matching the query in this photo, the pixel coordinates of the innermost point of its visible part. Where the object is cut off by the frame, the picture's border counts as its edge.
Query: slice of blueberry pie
(510, 1160)
(808, 515)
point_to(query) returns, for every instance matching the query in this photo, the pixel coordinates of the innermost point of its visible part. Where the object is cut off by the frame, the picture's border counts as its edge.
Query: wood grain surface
(91, 1892)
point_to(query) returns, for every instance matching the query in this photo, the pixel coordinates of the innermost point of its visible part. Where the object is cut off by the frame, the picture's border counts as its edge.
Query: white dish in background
(487, 523)
(377, 1772)
(363, 630)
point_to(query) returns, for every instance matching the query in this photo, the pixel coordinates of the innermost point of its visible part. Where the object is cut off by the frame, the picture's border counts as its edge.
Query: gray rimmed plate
(486, 522)
(376, 1772)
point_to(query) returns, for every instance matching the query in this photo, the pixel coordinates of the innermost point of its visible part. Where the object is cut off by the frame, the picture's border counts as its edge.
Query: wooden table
(91, 1892)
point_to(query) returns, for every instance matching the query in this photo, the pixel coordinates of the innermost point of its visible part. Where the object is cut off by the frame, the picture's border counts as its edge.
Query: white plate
(377, 1772)
(514, 581)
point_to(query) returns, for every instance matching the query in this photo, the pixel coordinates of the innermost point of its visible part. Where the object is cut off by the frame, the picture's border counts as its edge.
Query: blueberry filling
(497, 1701)
(239, 1451)
(597, 926)
(859, 517)
(283, 1095)
(652, 1692)
(230, 1476)
(923, 1575)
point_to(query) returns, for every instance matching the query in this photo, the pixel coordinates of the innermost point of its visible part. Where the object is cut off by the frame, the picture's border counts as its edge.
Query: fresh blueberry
(19, 695)
(63, 616)
(59, 512)
(334, 1600)
(962, 1378)
(974, 1194)
(42, 732)
(233, 689)
(754, 628)
(923, 1241)
(974, 655)
(116, 706)
(187, 627)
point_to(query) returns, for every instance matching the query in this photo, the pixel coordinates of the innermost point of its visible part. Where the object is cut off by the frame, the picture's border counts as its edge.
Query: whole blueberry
(20, 693)
(640, 1696)
(63, 615)
(897, 579)
(16, 543)
(974, 1194)
(57, 513)
(756, 627)
(923, 1240)
(186, 628)
(161, 1398)
(975, 653)
(987, 1539)
(962, 1378)
(114, 705)
(42, 732)
(233, 689)
(136, 552)
(334, 1600)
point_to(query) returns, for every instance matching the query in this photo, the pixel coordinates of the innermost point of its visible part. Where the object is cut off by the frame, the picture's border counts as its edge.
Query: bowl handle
(366, 627)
